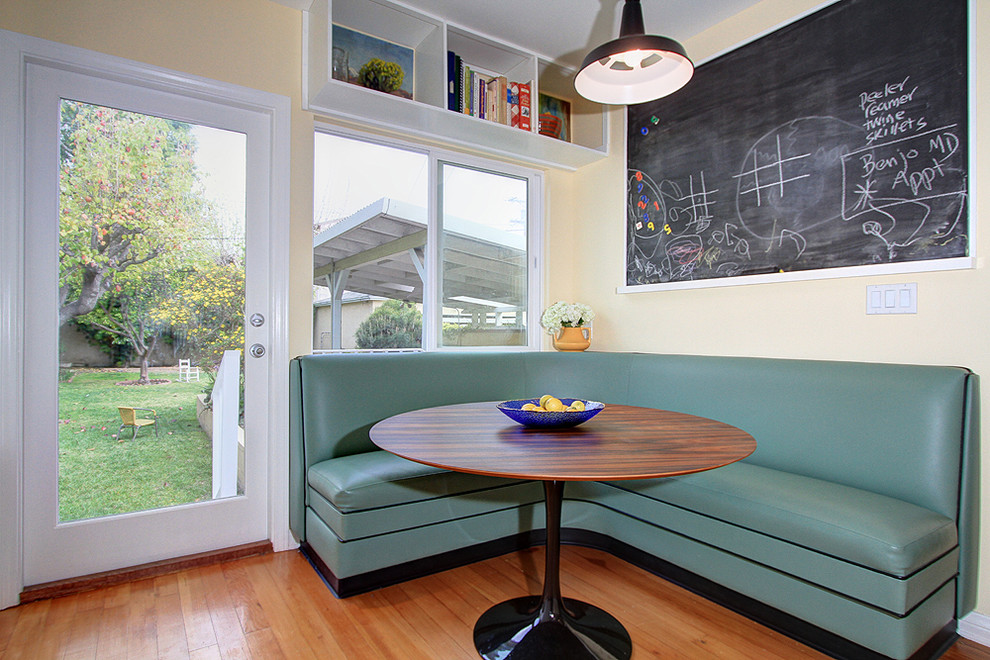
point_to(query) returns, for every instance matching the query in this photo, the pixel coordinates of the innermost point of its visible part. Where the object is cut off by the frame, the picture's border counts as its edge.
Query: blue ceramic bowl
(556, 420)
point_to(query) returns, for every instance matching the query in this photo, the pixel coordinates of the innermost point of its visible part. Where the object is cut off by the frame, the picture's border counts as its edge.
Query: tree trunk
(146, 351)
(89, 296)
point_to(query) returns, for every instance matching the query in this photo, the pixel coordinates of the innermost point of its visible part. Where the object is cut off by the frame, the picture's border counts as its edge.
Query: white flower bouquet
(566, 315)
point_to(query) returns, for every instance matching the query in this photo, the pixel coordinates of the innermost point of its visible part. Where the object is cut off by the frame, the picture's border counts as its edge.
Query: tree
(127, 312)
(208, 308)
(395, 324)
(128, 194)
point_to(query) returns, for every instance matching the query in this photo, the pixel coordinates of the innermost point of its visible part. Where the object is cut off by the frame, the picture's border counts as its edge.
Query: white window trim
(16, 52)
(431, 288)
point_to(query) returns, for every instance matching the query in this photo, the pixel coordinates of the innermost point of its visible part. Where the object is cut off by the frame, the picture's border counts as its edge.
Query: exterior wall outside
(351, 316)
(76, 350)
(489, 337)
(354, 313)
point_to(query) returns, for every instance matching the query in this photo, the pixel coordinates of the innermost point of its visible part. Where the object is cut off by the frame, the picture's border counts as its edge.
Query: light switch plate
(892, 298)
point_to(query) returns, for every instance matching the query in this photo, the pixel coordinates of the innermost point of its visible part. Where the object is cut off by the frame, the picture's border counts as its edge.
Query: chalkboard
(838, 140)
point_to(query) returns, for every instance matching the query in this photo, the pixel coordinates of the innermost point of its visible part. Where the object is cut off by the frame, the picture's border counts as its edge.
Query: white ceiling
(565, 30)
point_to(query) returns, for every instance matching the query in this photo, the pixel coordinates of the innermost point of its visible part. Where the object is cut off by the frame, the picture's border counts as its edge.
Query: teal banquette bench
(853, 527)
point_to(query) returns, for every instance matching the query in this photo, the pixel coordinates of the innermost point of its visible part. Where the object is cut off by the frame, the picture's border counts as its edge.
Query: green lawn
(101, 474)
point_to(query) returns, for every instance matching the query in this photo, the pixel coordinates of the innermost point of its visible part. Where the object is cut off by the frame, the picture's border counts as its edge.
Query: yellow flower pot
(572, 339)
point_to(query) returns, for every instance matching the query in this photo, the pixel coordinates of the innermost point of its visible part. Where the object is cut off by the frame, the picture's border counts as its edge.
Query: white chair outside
(187, 372)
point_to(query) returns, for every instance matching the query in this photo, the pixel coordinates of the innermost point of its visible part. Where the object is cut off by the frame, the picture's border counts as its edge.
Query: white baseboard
(976, 627)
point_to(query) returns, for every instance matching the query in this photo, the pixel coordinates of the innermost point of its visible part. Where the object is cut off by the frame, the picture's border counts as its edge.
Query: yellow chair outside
(130, 418)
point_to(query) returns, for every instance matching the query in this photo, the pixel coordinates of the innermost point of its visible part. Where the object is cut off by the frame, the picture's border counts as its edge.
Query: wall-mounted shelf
(426, 114)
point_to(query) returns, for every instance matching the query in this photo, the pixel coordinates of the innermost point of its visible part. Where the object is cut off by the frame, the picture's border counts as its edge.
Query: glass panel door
(146, 223)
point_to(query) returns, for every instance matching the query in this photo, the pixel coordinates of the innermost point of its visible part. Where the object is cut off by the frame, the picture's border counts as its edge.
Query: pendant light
(634, 68)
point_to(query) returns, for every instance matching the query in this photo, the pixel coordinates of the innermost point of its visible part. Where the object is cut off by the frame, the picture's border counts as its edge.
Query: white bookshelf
(426, 114)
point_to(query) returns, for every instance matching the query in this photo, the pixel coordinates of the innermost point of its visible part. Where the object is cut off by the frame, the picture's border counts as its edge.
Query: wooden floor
(275, 606)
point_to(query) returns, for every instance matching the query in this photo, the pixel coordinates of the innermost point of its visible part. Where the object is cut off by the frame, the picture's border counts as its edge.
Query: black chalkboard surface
(838, 140)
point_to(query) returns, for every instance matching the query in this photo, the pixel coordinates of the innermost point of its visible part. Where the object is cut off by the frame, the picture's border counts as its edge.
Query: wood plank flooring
(275, 606)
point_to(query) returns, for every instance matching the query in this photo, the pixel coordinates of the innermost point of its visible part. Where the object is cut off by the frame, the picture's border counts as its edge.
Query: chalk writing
(883, 114)
(912, 189)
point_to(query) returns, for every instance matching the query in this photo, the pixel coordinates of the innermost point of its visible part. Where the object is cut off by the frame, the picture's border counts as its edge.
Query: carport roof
(382, 246)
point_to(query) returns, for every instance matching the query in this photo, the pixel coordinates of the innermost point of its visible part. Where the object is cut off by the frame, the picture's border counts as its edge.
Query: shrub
(395, 324)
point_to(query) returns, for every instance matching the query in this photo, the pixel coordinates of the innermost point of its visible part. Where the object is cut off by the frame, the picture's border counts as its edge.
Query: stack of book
(486, 95)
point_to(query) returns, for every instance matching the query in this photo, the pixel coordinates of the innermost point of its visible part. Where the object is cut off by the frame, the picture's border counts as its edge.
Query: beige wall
(254, 43)
(811, 319)
(257, 43)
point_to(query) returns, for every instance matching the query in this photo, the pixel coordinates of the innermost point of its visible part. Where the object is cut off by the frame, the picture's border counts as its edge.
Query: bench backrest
(893, 429)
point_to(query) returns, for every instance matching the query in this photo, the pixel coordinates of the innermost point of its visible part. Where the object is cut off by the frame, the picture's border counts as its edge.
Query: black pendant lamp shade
(634, 68)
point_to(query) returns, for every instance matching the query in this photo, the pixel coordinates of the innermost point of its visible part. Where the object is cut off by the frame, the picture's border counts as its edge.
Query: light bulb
(631, 58)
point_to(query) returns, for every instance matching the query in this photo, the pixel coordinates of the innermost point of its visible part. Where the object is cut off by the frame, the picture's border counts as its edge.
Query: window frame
(432, 309)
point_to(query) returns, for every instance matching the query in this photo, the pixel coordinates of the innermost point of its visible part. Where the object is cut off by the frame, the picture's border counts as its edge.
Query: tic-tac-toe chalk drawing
(838, 140)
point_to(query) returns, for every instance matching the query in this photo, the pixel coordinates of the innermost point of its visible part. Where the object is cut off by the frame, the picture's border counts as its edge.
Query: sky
(221, 157)
(350, 174)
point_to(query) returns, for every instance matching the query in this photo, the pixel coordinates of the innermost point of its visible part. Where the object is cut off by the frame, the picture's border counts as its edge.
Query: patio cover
(380, 251)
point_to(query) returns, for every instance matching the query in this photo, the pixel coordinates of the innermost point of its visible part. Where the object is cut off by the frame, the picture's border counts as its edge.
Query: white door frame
(16, 52)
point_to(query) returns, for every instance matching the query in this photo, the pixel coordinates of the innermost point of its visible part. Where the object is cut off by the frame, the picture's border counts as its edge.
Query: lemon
(577, 405)
(529, 406)
(553, 404)
(544, 398)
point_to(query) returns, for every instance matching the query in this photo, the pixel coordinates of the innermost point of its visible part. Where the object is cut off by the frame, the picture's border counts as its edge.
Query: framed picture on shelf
(361, 59)
(555, 117)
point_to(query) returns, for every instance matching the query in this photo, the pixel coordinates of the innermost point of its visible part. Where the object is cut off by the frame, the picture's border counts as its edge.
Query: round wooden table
(621, 442)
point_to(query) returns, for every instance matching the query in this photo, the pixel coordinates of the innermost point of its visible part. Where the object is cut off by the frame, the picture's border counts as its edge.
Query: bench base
(810, 635)
(410, 570)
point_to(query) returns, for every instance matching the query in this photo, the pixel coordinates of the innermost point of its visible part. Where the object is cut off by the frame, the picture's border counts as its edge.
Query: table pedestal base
(525, 628)
(550, 626)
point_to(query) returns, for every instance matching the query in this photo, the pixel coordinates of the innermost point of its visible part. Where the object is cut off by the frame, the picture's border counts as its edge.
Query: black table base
(549, 626)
